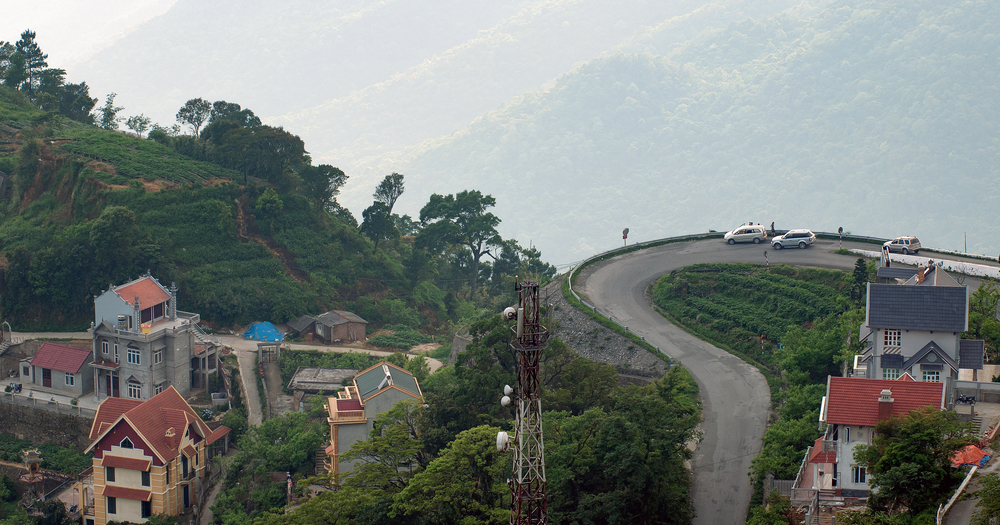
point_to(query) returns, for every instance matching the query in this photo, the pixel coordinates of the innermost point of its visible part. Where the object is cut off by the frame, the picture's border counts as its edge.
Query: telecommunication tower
(528, 503)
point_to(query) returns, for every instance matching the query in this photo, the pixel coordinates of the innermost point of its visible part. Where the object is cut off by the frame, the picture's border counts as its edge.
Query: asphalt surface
(735, 396)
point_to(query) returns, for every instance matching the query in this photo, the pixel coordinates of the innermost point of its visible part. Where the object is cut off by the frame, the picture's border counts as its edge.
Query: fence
(43, 404)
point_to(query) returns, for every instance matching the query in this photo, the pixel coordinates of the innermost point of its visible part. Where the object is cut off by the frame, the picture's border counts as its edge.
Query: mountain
(361, 80)
(879, 117)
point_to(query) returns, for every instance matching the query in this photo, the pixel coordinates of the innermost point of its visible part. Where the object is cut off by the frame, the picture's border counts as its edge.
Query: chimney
(885, 405)
(172, 443)
(920, 274)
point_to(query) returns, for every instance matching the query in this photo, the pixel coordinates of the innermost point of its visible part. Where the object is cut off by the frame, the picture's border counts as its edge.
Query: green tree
(114, 235)
(322, 183)
(909, 463)
(989, 501)
(460, 219)
(107, 116)
(138, 124)
(15, 71)
(34, 59)
(389, 190)
(463, 485)
(269, 206)
(377, 224)
(222, 110)
(194, 113)
(392, 454)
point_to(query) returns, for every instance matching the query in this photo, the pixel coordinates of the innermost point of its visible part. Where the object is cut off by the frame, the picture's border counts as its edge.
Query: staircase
(321, 461)
(203, 337)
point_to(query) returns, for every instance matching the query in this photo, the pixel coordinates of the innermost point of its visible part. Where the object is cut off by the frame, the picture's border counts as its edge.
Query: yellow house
(149, 458)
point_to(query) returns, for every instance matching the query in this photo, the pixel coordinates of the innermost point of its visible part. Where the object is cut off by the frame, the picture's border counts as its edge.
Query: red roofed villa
(850, 410)
(149, 458)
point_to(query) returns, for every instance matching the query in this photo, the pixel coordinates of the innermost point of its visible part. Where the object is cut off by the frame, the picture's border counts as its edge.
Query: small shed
(307, 381)
(331, 327)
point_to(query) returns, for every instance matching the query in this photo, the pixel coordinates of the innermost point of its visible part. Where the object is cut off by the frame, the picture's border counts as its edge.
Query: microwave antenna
(528, 503)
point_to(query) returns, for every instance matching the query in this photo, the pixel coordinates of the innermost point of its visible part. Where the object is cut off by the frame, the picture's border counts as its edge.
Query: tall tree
(389, 190)
(460, 219)
(222, 110)
(322, 183)
(909, 462)
(377, 224)
(194, 113)
(107, 116)
(34, 59)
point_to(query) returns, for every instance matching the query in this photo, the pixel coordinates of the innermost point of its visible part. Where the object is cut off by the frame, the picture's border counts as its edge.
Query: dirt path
(286, 258)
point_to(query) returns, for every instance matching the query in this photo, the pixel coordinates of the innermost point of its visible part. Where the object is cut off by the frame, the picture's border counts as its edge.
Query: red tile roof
(219, 432)
(108, 412)
(818, 456)
(151, 419)
(146, 289)
(126, 463)
(62, 358)
(114, 491)
(854, 400)
(189, 451)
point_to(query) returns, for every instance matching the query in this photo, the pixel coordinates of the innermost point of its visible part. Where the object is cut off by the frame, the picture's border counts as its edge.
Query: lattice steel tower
(528, 502)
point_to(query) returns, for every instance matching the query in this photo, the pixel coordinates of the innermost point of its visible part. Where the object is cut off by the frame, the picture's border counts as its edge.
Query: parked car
(904, 245)
(800, 238)
(754, 233)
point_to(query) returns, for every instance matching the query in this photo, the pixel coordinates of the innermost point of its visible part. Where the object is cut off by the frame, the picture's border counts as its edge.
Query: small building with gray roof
(352, 414)
(331, 327)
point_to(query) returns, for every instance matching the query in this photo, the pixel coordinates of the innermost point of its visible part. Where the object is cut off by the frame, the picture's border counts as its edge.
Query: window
(26, 371)
(134, 390)
(168, 474)
(133, 356)
(109, 473)
(158, 389)
(891, 373)
(104, 347)
(70, 379)
(112, 505)
(145, 479)
(892, 337)
(158, 357)
(116, 352)
(147, 509)
(127, 443)
(932, 376)
(859, 474)
(847, 434)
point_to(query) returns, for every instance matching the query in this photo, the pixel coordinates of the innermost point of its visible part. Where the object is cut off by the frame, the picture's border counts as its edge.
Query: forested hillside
(876, 116)
(237, 216)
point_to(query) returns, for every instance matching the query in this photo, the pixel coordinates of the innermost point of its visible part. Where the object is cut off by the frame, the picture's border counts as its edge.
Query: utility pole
(528, 505)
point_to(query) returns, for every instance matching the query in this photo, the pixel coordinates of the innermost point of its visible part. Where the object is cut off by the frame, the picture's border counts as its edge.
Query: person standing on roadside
(772, 228)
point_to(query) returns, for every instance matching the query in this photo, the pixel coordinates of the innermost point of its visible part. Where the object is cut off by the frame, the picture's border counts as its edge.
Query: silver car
(800, 238)
(903, 245)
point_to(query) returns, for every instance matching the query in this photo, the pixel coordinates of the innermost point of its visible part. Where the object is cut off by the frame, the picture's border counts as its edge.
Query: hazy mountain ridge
(878, 118)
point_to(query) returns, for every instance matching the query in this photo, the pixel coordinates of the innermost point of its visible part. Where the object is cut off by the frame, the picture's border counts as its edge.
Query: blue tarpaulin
(264, 331)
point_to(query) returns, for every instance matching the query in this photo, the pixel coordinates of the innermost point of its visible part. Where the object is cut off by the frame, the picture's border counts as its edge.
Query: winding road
(735, 396)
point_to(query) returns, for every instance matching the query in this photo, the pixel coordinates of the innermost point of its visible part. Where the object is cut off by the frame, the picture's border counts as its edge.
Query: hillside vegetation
(237, 217)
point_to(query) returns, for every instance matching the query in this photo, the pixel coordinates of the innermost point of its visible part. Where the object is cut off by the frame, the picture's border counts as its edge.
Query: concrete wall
(42, 426)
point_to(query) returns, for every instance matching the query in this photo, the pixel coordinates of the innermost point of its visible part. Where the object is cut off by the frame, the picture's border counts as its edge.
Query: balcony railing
(348, 415)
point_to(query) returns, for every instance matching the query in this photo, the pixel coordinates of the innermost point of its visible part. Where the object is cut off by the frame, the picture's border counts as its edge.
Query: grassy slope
(200, 223)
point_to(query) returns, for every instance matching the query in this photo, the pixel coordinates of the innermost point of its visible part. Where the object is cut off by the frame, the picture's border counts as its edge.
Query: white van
(755, 233)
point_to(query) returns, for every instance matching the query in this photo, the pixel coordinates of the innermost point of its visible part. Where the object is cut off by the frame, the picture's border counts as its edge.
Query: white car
(754, 233)
(903, 245)
(800, 238)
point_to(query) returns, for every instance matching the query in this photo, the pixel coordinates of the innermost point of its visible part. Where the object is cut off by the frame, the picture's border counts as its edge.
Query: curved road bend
(735, 396)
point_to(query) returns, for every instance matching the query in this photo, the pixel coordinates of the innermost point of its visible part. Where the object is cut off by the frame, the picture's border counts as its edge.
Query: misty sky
(71, 31)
